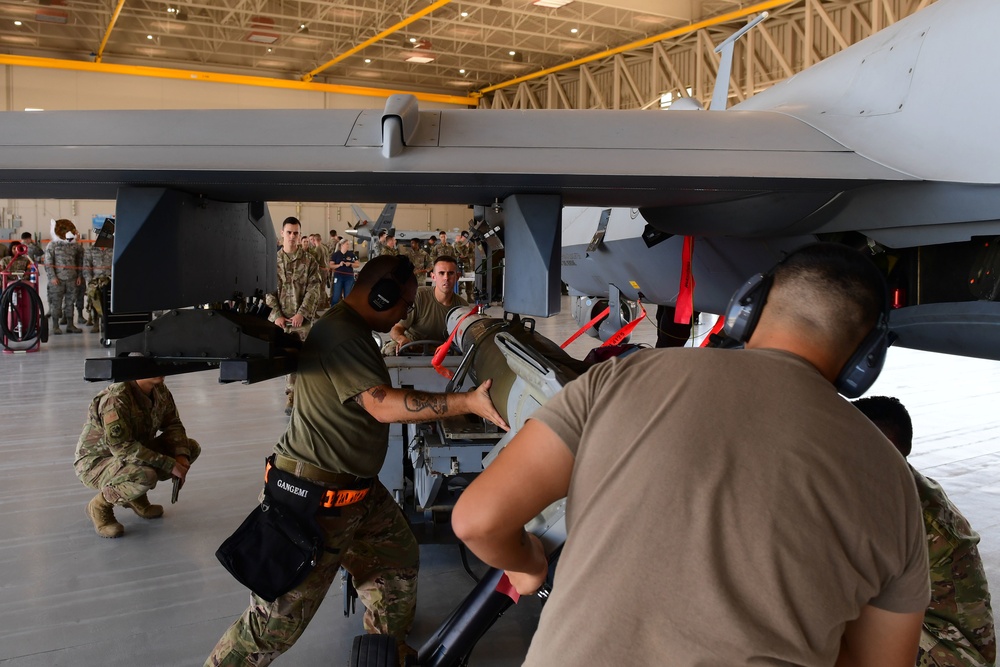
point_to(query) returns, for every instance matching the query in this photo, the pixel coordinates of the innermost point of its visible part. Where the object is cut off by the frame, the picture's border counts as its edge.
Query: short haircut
(333, 232)
(379, 268)
(26, 235)
(446, 258)
(830, 290)
(892, 419)
(291, 220)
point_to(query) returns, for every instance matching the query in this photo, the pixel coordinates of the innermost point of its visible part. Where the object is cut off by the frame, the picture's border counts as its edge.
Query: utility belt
(301, 484)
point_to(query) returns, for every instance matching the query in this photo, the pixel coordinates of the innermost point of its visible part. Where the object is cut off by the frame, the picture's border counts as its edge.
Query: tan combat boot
(72, 328)
(102, 513)
(142, 507)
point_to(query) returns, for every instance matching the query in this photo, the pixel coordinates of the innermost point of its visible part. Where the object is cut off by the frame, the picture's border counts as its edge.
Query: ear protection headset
(860, 371)
(387, 292)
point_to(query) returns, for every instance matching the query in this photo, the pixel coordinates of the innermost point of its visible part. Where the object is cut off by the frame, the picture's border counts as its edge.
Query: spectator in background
(344, 262)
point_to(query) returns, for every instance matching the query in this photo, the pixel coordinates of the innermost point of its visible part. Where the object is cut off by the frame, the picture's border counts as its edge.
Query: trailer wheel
(374, 651)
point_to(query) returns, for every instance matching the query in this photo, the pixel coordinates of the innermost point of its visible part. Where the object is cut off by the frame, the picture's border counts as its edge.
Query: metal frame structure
(487, 53)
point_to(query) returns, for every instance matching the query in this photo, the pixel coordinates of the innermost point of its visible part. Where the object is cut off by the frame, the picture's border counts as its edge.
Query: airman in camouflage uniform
(35, 251)
(958, 626)
(419, 259)
(389, 248)
(120, 454)
(465, 253)
(63, 259)
(97, 273)
(293, 305)
(338, 438)
(18, 263)
(442, 247)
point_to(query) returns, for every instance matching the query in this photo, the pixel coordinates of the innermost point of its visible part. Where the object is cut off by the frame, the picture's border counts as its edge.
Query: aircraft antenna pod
(399, 123)
(720, 94)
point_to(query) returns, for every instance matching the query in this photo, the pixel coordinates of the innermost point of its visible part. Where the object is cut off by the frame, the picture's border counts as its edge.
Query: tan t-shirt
(339, 360)
(726, 508)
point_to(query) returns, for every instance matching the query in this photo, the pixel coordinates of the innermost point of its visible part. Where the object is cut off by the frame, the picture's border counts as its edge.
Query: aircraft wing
(859, 148)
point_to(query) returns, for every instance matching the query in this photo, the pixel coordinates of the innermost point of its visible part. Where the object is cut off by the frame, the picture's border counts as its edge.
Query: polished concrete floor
(159, 597)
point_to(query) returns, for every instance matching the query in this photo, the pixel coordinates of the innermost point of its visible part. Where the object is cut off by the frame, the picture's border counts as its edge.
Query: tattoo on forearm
(416, 401)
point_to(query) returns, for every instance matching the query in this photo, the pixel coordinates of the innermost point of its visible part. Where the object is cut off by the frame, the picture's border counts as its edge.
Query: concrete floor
(159, 597)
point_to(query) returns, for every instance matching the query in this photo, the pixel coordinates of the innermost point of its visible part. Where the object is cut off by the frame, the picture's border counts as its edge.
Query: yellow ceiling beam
(670, 34)
(107, 33)
(213, 77)
(382, 35)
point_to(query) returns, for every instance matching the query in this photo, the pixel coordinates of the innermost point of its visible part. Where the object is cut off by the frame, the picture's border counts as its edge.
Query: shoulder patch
(115, 430)
(111, 416)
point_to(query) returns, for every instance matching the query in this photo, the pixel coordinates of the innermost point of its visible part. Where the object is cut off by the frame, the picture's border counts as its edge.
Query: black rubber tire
(374, 651)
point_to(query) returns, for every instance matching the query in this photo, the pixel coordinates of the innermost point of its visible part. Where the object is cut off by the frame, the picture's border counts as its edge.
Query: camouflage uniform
(62, 265)
(119, 452)
(442, 249)
(15, 265)
(299, 289)
(371, 539)
(97, 274)
(35, 251)
(465, 253)
(386, 250)
(421, 264)
(958, 626)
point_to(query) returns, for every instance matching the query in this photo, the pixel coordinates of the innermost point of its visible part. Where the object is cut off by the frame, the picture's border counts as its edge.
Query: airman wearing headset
(729, 501)
(337, 437)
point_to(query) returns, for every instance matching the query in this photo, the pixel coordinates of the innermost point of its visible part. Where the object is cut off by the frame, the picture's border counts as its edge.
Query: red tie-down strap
(626, 330)
(586, 326)
(684, 309)
(442, 351)
(721, 322)
(506, 588)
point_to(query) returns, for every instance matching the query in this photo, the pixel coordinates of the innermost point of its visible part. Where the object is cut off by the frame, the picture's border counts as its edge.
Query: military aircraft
(364, 229)
(870, 147)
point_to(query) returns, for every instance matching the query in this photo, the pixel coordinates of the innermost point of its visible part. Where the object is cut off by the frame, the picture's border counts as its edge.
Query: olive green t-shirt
(428, 321)
(726, 507)
(339, 360)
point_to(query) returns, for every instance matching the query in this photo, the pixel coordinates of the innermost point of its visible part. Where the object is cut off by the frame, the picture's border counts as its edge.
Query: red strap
(684, 309)
(585, 327)
(719, 323)
(626, 330)
(504, 586)
(442, 351)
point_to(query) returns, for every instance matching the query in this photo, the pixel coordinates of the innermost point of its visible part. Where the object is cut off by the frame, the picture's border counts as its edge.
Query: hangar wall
(37, 88)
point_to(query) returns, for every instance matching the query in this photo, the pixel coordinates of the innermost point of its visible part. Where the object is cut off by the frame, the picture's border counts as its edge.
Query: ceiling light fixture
(17, 23)
(368, 61)
(551, 4)
(461, 71)
(413, 40)
(574, 30)
(149, 37)
(465, 15)
(422, 59)
(512, 53)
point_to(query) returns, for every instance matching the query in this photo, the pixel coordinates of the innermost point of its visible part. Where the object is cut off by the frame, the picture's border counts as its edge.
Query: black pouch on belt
(280, 542)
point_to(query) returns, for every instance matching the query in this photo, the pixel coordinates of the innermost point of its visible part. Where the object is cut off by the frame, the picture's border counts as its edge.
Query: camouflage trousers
(301, 332)
(948, 647)
(62, 299)
(122, 481)
(373, 541)
(94, 305)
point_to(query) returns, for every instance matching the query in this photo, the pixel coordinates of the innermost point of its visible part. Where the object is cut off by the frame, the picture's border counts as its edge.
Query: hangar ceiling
(468, 45)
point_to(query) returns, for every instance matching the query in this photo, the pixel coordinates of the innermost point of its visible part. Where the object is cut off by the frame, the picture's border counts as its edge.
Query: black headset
(387, 292)
(860, 371)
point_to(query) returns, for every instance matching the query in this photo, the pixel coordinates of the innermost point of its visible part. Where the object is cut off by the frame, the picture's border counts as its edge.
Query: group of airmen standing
(73, 273)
